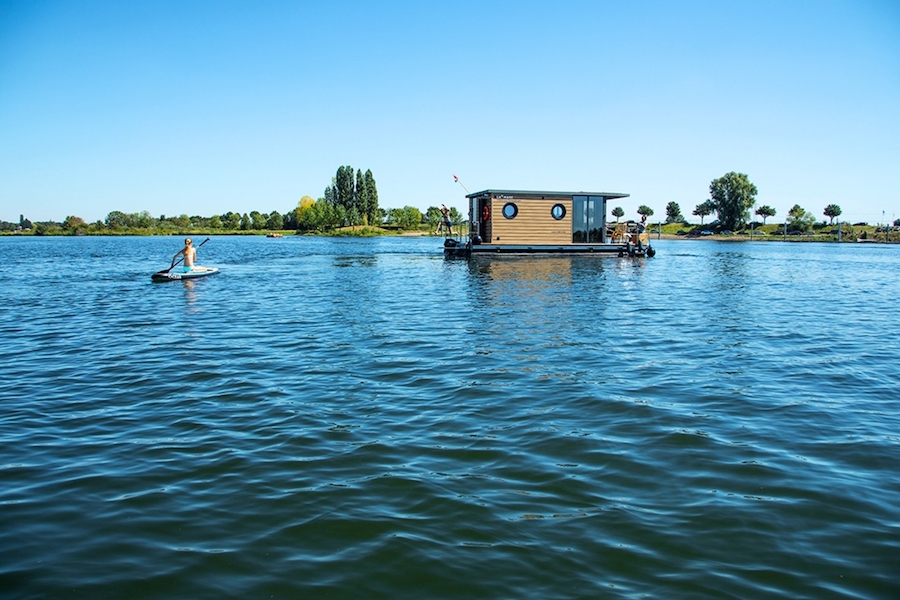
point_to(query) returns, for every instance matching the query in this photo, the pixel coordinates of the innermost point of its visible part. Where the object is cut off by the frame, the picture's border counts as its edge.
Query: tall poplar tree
(354, 193)
(371, 207)
(346, 195)
(361, 200)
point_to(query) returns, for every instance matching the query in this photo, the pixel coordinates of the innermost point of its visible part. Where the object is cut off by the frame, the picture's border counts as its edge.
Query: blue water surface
(363, 418)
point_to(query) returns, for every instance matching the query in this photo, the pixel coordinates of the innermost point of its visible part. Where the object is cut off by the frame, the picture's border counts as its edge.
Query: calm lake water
(364, 419)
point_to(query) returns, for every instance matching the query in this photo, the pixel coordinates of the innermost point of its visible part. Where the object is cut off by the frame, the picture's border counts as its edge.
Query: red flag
(456, 179)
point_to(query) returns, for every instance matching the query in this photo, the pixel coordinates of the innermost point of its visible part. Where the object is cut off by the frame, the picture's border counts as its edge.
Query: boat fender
(476, 239)
(651, 252)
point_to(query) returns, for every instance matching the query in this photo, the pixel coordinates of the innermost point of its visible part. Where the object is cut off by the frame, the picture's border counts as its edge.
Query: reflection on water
(527, 268)
(190, 294)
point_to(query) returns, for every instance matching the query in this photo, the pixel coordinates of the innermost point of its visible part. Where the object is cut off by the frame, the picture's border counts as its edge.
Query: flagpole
(456, 179)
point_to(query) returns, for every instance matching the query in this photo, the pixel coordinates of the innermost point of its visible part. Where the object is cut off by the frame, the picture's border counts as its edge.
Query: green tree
(832, 211)
(318, 216)
(354, 217)
(643, 209)
(291, 219)
(361, 203)
(456, 218)
(343, 188)
(765, 211)
(407, 217)
(704, 209)
(274, 221)
(246, 223)
(673, 213)
(116, 220)
(257, 220)
(734, 196)
(74, 224)
(618, 213)
(354, 190)
(371, 208)
(144, 220)
(231, 220)
(800, 219)
(433, 217)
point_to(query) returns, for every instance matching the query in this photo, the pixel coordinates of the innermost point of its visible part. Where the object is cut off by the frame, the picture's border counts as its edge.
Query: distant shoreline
(360, 231)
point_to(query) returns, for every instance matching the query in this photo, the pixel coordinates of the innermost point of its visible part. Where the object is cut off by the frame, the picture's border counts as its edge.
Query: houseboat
(517, 222)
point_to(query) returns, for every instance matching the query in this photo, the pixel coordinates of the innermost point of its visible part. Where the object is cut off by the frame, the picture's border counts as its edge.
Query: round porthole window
(558, 211)
(510, 210)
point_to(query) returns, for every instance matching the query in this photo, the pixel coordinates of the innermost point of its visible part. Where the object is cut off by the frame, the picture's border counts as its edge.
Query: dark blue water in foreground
(365, 419)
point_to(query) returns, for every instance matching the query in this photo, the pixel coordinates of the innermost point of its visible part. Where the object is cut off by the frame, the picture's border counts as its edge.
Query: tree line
(350, 200)
(732, 196)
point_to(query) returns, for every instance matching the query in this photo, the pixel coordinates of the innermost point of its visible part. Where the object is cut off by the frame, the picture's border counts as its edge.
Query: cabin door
(588, 219)
(482, 217)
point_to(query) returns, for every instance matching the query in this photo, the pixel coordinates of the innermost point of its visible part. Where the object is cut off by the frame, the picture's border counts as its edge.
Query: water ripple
(352, 418)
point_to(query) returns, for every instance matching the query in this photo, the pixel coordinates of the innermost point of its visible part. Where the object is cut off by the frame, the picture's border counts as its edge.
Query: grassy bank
(776, 233)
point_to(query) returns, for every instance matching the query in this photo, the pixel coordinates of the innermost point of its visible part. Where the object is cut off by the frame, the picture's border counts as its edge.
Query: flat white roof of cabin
(539, 195)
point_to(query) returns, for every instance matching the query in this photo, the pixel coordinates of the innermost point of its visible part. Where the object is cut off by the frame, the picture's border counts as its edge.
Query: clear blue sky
(199, 108)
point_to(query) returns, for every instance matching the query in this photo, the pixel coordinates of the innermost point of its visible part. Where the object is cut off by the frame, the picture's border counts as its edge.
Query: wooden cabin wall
(532, 225)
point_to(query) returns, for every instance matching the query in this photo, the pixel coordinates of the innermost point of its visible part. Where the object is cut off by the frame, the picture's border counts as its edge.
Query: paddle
(176, 263)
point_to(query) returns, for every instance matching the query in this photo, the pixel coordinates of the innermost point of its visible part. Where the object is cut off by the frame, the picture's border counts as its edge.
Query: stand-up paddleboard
(179, 274)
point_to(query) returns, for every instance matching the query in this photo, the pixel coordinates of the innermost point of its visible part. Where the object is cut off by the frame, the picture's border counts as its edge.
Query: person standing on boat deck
(190, 254)
(639, 229)
(643, 224)
(445, 219)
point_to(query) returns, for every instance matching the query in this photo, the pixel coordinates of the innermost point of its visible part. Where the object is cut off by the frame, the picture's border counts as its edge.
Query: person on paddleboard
(189, 253)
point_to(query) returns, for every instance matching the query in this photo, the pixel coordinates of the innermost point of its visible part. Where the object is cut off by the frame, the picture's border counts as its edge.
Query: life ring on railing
(485, 212)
